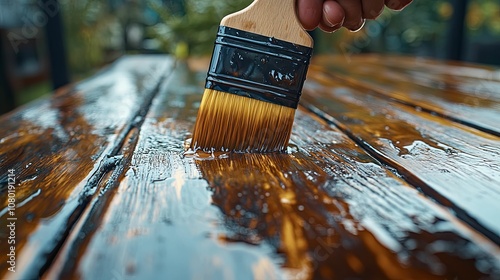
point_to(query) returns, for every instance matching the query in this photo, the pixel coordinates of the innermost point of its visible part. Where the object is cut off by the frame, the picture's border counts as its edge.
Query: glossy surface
(470, 95)
(59, 148)
(368, 188)
(256, 66)
(442, 158)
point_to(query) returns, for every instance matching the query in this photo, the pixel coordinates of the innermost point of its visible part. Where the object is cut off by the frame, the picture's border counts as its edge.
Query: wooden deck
(393, 171)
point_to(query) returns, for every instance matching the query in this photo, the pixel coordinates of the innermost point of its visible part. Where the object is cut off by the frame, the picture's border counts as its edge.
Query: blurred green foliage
(483, 18)
(419, 25)
(418, 29)
(88, 25)
(97, 29)
(193, 31)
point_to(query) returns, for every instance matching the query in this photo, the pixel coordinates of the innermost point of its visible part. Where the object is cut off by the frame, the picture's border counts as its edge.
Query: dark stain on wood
(475, 103)
(59, 148)
(442, 158)
(316, 206)
(343, 201)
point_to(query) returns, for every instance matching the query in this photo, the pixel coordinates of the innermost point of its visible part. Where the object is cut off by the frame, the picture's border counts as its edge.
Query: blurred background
(45, 44)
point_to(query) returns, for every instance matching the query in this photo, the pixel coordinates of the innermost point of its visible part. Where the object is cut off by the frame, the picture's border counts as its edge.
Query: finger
(309, 13)
(372, 8)
(397, 4)
(353, 14)
(333, 16)
(329, 29)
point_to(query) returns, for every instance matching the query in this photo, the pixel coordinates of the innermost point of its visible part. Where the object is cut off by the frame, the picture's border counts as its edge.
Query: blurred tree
(90, 29)
(194, 31)
(97, 28)
(176, 7)
(483, 26)
(483, 18)
(416, 29)
(420, 29)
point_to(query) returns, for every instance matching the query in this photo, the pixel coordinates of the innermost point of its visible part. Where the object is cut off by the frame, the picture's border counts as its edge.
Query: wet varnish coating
(469, 95)
(361, 192)
(60, 149)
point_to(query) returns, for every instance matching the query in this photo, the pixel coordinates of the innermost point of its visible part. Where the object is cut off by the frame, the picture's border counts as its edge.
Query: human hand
(331, 15)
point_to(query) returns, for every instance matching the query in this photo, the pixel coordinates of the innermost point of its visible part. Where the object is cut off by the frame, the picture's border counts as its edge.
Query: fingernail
(327, 21)
(332, 29)
(362, 23)
(397, 5)
(405, 5)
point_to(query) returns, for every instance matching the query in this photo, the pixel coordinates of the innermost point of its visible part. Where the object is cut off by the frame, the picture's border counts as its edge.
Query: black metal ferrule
(259, 67)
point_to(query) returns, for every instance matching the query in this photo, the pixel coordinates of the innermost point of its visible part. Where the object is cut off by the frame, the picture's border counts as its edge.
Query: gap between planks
(418, 183)
(357, 83)
(74, 244)
(106, 175)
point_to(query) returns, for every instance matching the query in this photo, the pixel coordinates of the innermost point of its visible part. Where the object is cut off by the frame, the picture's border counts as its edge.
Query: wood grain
(467, 79)
(271, 18)
(471, 101)
(453, 164)
(324, 210)
(60, 148)
(458, 69)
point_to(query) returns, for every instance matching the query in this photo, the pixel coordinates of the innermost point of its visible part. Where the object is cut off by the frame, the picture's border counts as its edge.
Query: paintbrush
(254, 82)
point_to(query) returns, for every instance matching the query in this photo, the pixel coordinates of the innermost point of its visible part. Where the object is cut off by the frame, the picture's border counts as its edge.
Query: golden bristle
(228, 122)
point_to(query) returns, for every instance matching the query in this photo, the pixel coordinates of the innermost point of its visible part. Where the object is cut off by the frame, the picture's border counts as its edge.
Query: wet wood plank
(468, 100)
(439, 68)
(60, 148)
(475, 80)
(325, 210)
(451, 163)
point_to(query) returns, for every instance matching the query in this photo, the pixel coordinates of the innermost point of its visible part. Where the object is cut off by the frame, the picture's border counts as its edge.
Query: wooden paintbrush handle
(271, 18)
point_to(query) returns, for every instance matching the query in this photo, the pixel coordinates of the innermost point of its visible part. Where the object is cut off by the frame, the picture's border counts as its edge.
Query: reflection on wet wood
(438, 68)
(343, 201)
(470, 80)
(472, 101)
(334, 212)
(455, 165)
(60, 148)
(323, 210)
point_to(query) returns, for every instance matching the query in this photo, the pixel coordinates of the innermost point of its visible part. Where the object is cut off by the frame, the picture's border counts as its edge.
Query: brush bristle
(229, 122)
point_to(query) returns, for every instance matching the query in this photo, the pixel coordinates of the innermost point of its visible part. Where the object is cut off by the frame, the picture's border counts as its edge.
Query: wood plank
(456, 165)
(323, 210)
(475, 104)
(60, 148)
(486, 86)
(438, 67)
(474, 81)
